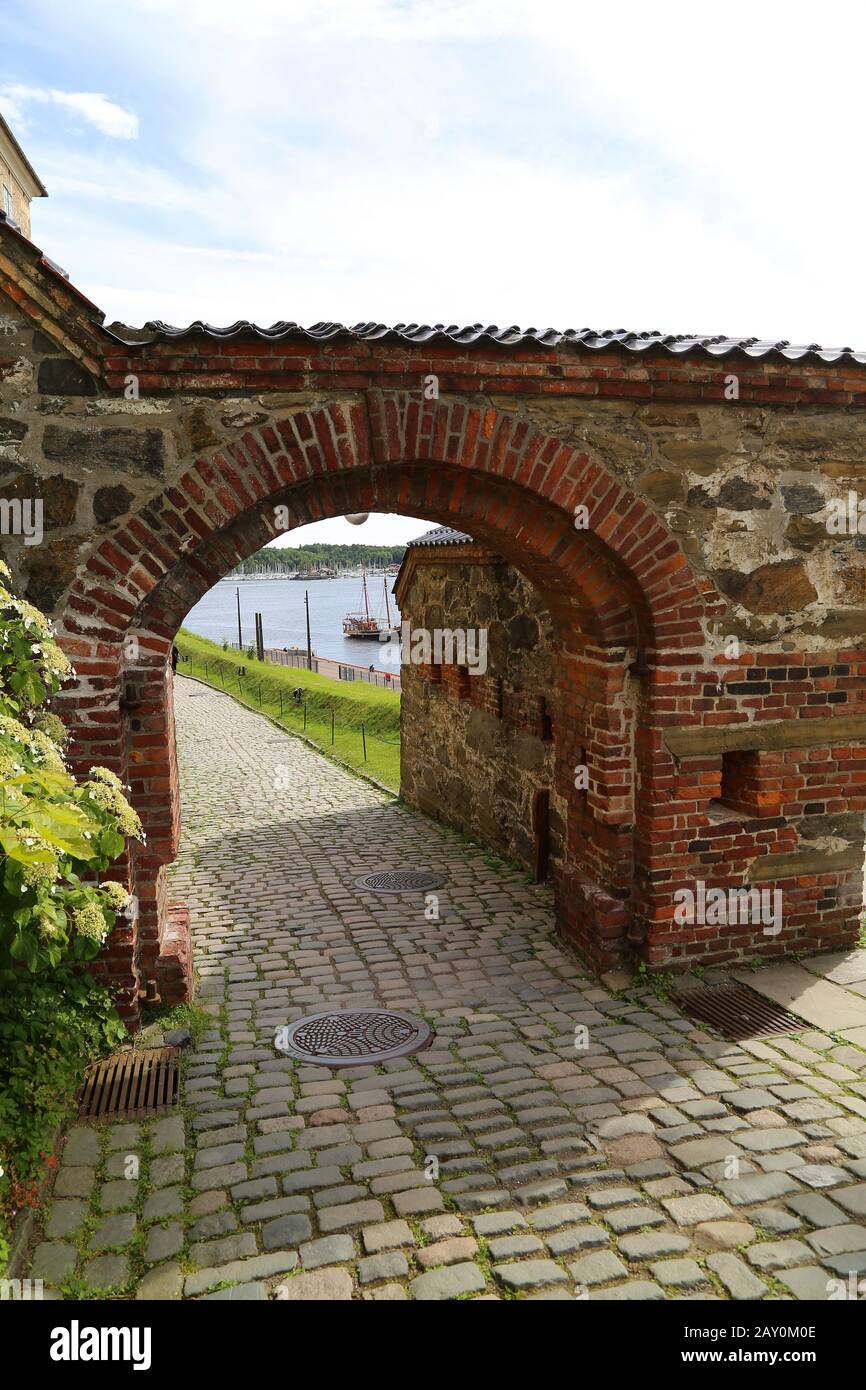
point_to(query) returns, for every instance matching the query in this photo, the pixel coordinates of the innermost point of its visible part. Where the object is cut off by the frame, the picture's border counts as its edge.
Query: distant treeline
(321, 555)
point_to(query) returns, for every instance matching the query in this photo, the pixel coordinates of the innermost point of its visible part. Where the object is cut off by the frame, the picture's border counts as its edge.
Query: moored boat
(364, 625)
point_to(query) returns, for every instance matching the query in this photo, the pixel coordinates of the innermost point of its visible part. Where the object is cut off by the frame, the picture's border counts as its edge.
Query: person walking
(175, 654)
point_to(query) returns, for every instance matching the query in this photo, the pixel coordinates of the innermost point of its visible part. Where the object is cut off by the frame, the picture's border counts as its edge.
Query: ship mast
(387, 608)
(366, 603)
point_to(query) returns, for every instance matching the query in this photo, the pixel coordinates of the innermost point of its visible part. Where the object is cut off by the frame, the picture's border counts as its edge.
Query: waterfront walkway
(652, 1163)
(298, 660)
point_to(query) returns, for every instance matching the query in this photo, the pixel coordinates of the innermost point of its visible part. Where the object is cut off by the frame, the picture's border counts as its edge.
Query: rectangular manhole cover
(737, 1012)
(131, 1085)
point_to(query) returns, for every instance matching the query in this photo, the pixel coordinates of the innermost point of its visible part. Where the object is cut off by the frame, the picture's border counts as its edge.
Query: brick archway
(622, 560)
(159, 452)
(618, 588)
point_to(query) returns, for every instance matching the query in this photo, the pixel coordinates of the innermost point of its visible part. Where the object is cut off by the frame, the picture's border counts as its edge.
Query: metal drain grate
(353, 1038)
(738, 1012)
(400, 881)
(130, 1085)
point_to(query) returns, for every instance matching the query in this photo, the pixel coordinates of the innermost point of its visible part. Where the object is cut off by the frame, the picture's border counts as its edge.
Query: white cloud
(387, 20)
(11, 111)
(489, 240)
(106, 115)
(93, 107)
(87, 179)
(493, 160)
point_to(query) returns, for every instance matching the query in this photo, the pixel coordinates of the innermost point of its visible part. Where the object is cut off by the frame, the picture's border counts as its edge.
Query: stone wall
(478, 749)
(669, 507)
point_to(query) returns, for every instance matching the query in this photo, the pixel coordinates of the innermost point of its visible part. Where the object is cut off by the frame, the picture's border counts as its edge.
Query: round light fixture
(357, 518)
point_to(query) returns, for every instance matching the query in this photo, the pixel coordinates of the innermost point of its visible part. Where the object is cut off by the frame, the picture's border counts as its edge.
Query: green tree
(326, 554)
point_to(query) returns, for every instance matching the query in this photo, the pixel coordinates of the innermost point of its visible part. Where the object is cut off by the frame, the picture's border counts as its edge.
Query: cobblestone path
(653, 1163)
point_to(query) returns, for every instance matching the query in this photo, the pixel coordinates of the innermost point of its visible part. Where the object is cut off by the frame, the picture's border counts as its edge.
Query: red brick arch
(625, 558)
(620, 588)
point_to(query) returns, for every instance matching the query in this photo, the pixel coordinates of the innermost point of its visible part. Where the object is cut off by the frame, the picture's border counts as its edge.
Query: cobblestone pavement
(653, 1163)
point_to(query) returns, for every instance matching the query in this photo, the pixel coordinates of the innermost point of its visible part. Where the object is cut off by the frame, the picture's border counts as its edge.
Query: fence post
(332, 726)
(364, 741)
(206, 666)
(305, 714)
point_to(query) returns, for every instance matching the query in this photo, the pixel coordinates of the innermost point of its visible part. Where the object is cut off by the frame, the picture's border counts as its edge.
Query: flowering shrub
(54, 831)
(57, 838)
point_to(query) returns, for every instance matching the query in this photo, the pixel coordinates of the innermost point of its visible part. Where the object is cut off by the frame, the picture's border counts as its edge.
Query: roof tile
(674, 344)
(442, 535)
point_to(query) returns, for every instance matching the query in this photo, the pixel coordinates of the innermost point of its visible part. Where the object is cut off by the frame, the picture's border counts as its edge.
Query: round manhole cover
(353, 1038)
(400, 881)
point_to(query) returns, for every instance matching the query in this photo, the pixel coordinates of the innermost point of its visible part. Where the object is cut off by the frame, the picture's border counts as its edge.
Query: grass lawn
(354, 704)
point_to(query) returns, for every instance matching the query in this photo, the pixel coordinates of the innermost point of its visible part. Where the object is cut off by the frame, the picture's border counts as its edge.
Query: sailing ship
(365, 625)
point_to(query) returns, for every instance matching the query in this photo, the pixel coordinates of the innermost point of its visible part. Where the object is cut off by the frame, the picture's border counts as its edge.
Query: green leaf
(111, 843)
(22, 853)
(24, 947)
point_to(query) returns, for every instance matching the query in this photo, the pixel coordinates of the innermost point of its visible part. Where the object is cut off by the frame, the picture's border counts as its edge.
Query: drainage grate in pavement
(737, 1012)
(130, 1085)
(399, 881)
(353, 1038)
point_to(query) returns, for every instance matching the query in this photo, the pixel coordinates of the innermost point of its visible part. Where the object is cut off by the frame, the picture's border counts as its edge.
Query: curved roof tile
(675, 344)
(441, 535)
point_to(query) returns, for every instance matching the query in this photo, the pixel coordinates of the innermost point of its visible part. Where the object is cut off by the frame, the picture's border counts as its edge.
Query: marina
(281, 604)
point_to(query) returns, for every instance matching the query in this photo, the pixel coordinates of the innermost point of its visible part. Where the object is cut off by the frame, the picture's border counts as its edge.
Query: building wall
(20, 200)
(476, 748)
(160, 462)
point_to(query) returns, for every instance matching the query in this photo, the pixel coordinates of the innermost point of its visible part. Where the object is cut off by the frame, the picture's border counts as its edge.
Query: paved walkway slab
(820, 1002)
(840, 967)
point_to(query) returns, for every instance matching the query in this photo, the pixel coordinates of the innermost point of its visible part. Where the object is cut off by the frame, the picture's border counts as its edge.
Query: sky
(681, 168)
(378, 529)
